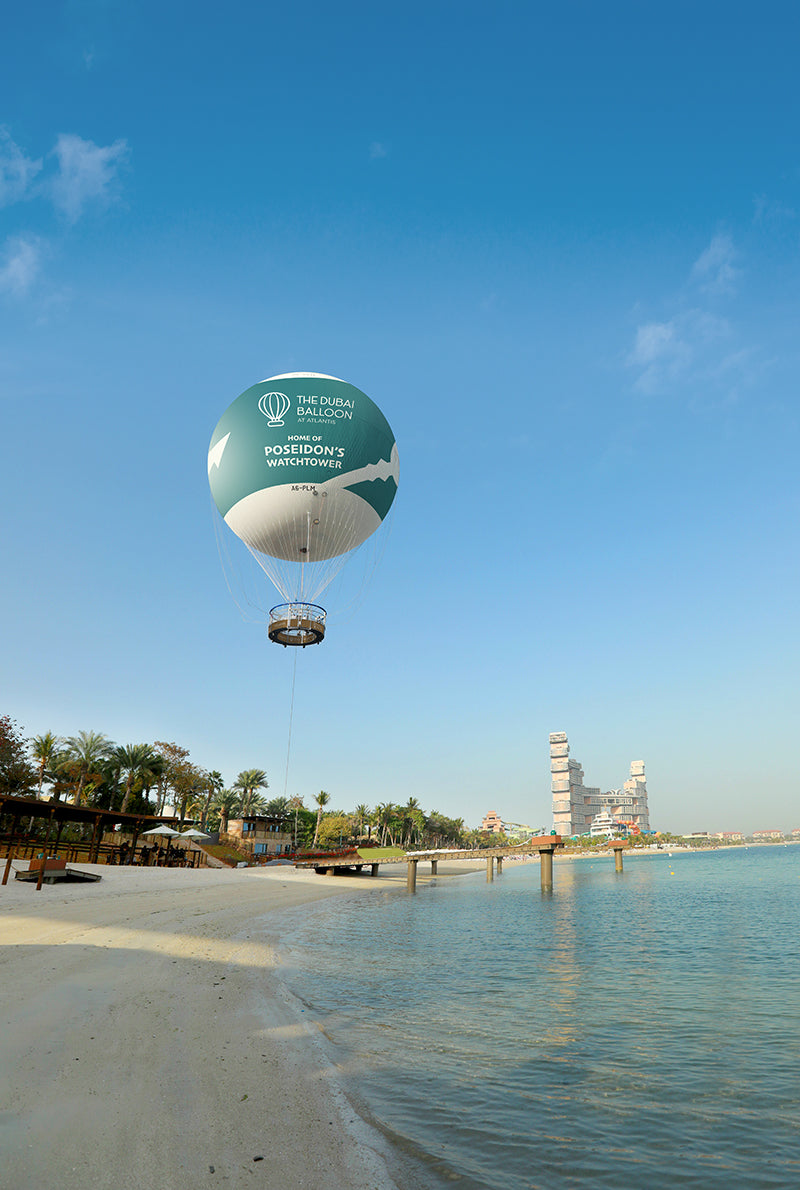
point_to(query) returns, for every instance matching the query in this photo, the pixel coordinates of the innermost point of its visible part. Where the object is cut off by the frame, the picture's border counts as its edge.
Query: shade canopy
(163, 830)
(194, 834)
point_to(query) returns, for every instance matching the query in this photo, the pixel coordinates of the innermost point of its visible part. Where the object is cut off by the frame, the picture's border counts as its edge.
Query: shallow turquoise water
(633, 1030)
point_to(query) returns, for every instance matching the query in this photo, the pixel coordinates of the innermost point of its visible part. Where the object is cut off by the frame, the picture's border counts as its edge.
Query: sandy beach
(148, 1041)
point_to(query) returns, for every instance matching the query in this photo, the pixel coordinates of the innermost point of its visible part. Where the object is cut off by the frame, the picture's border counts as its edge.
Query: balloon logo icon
(274, 406)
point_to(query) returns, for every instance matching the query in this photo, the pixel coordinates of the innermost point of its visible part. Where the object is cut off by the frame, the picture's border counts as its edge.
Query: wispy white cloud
(16, 170)
(768, 210)
(76, 173)
(653, 340)
(21, 264)
(666, 354)
(86, 173)
(691, 350)
(377, 149)
(714, 270)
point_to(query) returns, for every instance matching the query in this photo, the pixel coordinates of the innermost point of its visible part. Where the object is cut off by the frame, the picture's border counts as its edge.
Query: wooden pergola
(56, 815)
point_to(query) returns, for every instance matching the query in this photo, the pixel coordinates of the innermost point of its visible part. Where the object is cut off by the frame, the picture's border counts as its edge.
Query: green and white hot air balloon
(303, 467)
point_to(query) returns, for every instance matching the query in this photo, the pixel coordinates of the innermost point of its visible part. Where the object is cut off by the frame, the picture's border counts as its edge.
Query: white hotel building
(576, 804)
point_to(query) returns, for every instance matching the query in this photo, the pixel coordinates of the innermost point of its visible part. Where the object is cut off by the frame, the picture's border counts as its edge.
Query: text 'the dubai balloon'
(303, 468)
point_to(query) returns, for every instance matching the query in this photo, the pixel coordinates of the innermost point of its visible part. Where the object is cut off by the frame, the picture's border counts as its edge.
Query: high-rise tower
(576, 804)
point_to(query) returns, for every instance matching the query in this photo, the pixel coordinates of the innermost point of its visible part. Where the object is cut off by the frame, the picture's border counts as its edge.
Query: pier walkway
(356, 861)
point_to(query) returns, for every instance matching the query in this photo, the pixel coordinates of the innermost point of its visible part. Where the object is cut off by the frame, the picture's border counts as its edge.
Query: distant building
(729, 836)
(258, 834)
(767, 834)
(496, 825)
(575, 805)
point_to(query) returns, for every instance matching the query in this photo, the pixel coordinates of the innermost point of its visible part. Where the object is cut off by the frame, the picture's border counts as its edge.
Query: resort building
(258, 834)
(575, 805)
(494, 824)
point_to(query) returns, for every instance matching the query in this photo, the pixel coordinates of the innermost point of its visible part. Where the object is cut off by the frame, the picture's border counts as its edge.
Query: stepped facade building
(575, 805)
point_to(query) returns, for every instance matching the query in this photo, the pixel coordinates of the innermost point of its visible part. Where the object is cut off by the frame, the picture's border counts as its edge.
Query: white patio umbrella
(193, 834)
(164, 831)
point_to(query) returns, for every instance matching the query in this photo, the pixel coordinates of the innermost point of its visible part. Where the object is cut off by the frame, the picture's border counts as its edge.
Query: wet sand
(146, 1040)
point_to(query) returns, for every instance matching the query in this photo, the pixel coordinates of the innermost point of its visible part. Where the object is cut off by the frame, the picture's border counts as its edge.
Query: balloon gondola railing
(297, 624)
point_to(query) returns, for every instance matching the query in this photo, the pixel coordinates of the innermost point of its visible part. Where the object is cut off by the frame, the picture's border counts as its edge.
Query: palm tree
(361, 812)
(195, 805)
(45, 750)
(152, 773)
(258, 804)
(135, 760)
(226, 802)
(278, 807)
(214, 784)
(413, 818)
(321, 799)
(248, 782)
(190, 788)
(386, 814)
(87, 750)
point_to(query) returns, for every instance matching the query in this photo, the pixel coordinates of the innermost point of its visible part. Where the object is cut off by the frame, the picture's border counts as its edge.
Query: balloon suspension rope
(291, 717)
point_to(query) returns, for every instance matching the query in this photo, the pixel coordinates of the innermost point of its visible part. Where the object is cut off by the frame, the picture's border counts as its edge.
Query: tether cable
(291, 717)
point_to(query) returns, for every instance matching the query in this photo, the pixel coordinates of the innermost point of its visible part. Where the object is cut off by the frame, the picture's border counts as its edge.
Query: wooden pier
(545, 845)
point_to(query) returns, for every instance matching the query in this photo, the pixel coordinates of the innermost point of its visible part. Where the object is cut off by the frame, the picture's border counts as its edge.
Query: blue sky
(558, 245)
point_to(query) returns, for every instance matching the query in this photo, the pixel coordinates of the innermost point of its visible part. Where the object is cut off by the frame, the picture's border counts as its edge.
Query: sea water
(635, 1029)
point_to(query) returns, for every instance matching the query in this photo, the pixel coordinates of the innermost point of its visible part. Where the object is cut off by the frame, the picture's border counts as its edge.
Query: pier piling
(489, 868)
(411, 882)
(617, 845)
(546, 858)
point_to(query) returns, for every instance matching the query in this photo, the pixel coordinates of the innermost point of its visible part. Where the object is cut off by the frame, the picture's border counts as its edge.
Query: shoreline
(149, 1037)
(150, 1034)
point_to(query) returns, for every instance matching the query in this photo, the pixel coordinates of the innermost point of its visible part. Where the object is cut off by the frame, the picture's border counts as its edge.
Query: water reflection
(625, 1026)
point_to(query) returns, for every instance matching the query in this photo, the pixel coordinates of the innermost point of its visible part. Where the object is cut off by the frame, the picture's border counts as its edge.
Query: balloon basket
(297, 624)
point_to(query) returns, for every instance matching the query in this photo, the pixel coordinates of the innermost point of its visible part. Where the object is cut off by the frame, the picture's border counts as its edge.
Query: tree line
(89, 769)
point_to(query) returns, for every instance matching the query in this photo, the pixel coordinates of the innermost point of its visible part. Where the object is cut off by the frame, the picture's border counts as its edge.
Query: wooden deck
(544, 845)
(362, 858)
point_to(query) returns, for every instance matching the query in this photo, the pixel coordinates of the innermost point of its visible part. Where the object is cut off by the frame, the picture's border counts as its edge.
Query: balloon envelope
(303, 467)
